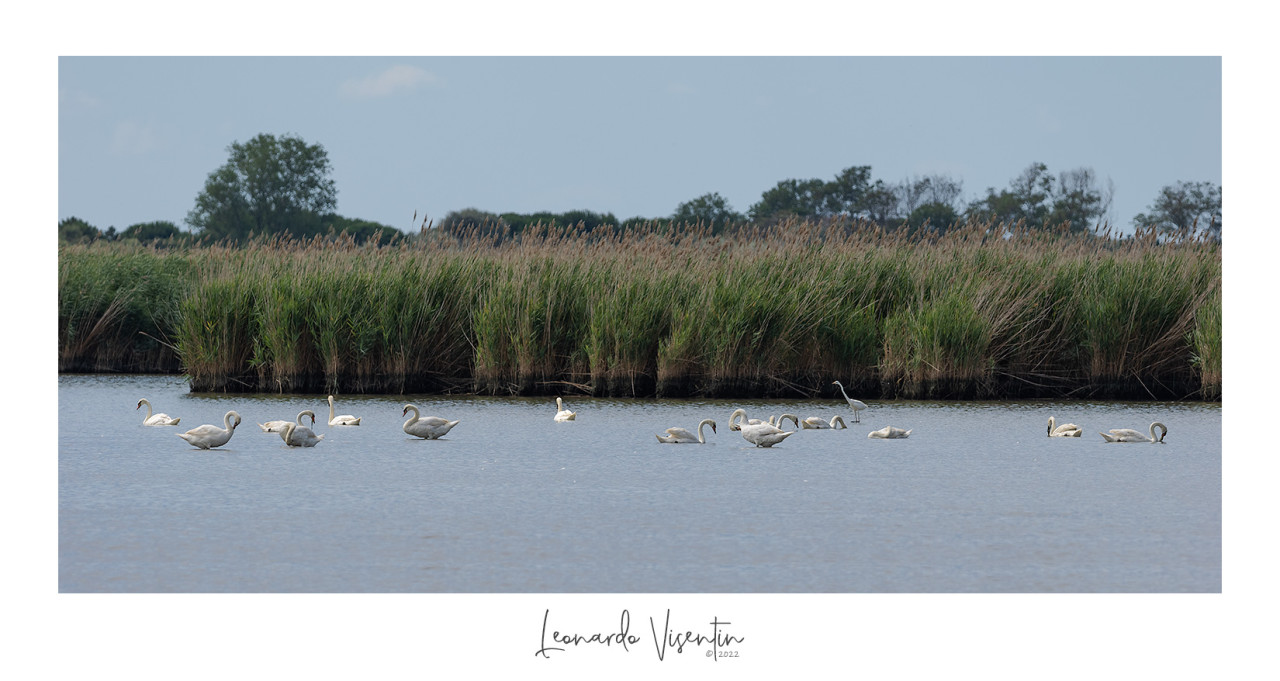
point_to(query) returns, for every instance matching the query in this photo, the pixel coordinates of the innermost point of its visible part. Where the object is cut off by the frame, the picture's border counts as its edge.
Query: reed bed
(985, 311)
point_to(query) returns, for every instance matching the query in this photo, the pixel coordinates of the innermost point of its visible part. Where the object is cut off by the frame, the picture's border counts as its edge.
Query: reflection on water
(978, 499)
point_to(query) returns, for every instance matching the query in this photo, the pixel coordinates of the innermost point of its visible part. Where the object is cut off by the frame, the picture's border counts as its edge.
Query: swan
(889, 433)
(343, 420)
(278, 426)
(563, 414)
(1131, 435)
(296, 435)
(1064, 430)
(429, 427)
(855, 405)
(764, 435)
(734, 423)
(677, 435)
(155, 419)
(207, 436)
(815, 422)
(777, 422)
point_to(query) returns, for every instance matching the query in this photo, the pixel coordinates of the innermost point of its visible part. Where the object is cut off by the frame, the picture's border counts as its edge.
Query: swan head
(408, 408)
(235, 421)
(140, 403)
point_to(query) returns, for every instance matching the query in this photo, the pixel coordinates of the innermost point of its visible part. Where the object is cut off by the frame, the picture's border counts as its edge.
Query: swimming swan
(816, 422)
(278, 426)
(764, 435)
(207, 436)
(855, 405)
(889, 433)
(429, 427)
(563, 414)
(1131, 435)
(1064, 430)
(739, 417)
(296, 435)
(343, 420)
(677, 435)
(155, 419)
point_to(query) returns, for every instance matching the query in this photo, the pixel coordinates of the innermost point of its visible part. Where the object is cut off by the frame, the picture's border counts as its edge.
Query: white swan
(777, 421)
(295, 435)
(889, 433)
(207, 436)
(428, 427)
(343, 420)
(815, 422)
(278, 426)
(1064, 430)
(563, 414)
(764, 435)
(678, 435)
(739, 417)
(855, 405)
(155, 419)
(1131, 435)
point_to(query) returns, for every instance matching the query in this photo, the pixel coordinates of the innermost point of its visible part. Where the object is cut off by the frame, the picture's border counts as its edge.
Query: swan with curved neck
(677, 435)
(207, 436)
(1064, 430)
(739, 418)
(816, 422)
(563, 414)
(889, 433)
(296, 435)
(342, 420)
(777, 421)
(155, 419)
(855, 405)
(426, 427)
(278, 426)
(1131, 435)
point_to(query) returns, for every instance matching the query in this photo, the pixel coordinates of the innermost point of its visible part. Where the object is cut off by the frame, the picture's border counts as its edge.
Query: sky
(630, 136)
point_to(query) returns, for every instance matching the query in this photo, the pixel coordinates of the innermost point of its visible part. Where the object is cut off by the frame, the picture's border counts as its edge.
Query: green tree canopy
(150, 231)
(710, 209)
(74, 230)
(1040, 200)
(1185, 205)
(269, 185)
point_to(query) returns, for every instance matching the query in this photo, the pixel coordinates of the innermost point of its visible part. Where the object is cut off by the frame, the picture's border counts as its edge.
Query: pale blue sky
(632, 136)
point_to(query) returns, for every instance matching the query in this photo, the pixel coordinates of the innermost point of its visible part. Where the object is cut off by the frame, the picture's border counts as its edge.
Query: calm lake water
(976, 500)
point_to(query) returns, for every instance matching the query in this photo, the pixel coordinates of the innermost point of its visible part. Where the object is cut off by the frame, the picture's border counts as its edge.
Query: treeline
(986, 310)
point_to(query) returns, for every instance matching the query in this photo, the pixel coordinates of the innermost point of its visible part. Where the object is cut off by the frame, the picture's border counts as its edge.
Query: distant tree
(473, 221)
(362, 231)
(1183, 205)
(939, 216)
(589, 220)
(848, 193)
(881, 204)
(1040, 200)
(790, 198)
(151, 231)
(1079, 201)
(269, 185)
(75, 230)
(710, 209)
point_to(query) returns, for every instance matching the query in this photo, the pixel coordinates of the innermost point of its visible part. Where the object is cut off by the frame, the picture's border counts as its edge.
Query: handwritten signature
(721, 641)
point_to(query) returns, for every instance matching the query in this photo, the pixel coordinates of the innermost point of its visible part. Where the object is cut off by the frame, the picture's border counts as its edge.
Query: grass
(984, 311)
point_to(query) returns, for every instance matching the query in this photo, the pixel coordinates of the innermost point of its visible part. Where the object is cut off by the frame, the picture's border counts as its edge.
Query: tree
(1078, 201)
(710, 209)
(1182, 206)
(1040, 200)
(75, 230)
(939, 216)
(847, 194)
(150, 231)
(798, 198)
(269, 185)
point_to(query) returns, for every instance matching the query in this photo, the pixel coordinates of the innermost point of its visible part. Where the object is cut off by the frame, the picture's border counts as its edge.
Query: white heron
(855, 405)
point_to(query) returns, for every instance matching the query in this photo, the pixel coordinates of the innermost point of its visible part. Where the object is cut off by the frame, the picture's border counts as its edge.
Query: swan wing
(676, 435)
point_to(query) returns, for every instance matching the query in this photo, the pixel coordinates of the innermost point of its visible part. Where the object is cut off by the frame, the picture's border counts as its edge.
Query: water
(976, 500)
